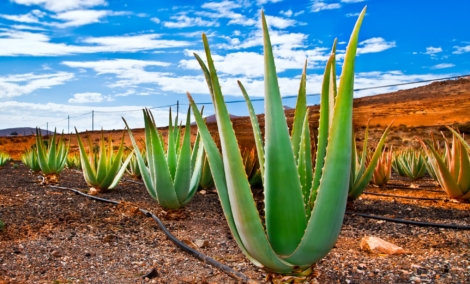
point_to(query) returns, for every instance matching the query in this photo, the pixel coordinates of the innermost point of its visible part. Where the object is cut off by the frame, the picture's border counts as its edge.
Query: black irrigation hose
(401, 196)
(416, 223)
(224, 268)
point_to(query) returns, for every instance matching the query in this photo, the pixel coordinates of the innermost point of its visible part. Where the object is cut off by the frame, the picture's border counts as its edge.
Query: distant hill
(22, 131)
(211, 118)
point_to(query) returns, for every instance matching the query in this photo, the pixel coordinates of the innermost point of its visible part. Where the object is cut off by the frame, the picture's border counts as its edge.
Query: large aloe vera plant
(360, 173)
(51, 157)
(171, 178)
(452, 170)
(103, 170)
(304, 209)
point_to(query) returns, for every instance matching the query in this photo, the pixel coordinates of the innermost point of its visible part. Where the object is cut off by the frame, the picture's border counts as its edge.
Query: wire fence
(93, 113)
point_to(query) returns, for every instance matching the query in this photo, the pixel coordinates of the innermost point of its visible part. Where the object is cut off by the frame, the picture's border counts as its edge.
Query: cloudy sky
(61, 58)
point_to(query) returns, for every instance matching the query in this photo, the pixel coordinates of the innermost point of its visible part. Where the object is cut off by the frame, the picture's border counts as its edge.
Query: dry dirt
(55, 236)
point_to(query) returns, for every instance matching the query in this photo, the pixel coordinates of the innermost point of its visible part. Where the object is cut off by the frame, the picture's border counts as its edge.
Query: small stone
(202, 192)
(201, 243)
(56, 254)
(92, 191)
(377, 245)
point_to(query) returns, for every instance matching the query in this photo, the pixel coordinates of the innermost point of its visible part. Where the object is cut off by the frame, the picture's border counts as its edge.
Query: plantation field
(55, 235)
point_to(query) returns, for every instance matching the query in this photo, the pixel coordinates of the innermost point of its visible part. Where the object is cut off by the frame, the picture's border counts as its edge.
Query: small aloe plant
(4, 158)
(133, 167)
(304, 208)
(171, 178)
(410, 163)
(383, 170)
(30, 159)
(51, 157)
(452, 170)
(103, 170)
(360, 174)
(73, 161)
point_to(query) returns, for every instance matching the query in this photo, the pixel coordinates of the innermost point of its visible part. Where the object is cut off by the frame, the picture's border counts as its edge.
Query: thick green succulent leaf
(256, 130)
(300, 112)
(366, 176)
(323, 129)
(183, 170)
(171, 154)
(196, 174)
(243, 219)
(446, 179)
(146, 176)
(467, 146)
(164, 187)
(42, 153)
(304, 164)
(464, 175)
(328, 212)
(102, 168)
(333, 92)
(120, 173)
(88, 169)
(285, 228)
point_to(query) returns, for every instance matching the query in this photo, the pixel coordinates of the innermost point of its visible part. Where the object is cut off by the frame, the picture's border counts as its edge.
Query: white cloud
(22, 84)
(15, 43)
(224, 10)
(353, 14)
(461, 49)
(155, 20)
(31, 17)
(375, 44)
(280, 23)
(125, 94)
(261, 2)
(24, 27)
(299, 13)
(62, 5)
(183, 21)
(287, 13)
(319, 5)
(433, 50)
(77, 18)
(442, 66)
(88, 97)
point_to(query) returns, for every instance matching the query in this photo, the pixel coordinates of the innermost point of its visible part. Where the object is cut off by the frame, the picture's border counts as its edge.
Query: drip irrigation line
(133, 181)
(224, 268)
(401, 196)
(408, 222)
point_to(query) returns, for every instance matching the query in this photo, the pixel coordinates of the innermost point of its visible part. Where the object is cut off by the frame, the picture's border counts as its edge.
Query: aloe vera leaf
(333, 92)
(299, 113)
(183, 170)
(101, 170)
(285, 228)
(88, 169)
(244, 221)
(365, 150)
(362, 183)
(196, 174)
(328, 212)
(460, 138)
(304, 164)
(122, 169)
(447, 182)
(256, 130)
(207, 76)
(42, 155)
(194, 153)
(455, 161)
(171, 153)
(52, 159)
(464, 175)
(146, 176)
(113, 166)
(161, 176)
(323, 129)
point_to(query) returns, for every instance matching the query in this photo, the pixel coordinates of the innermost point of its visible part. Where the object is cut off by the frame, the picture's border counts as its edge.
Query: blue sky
(63, 58)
